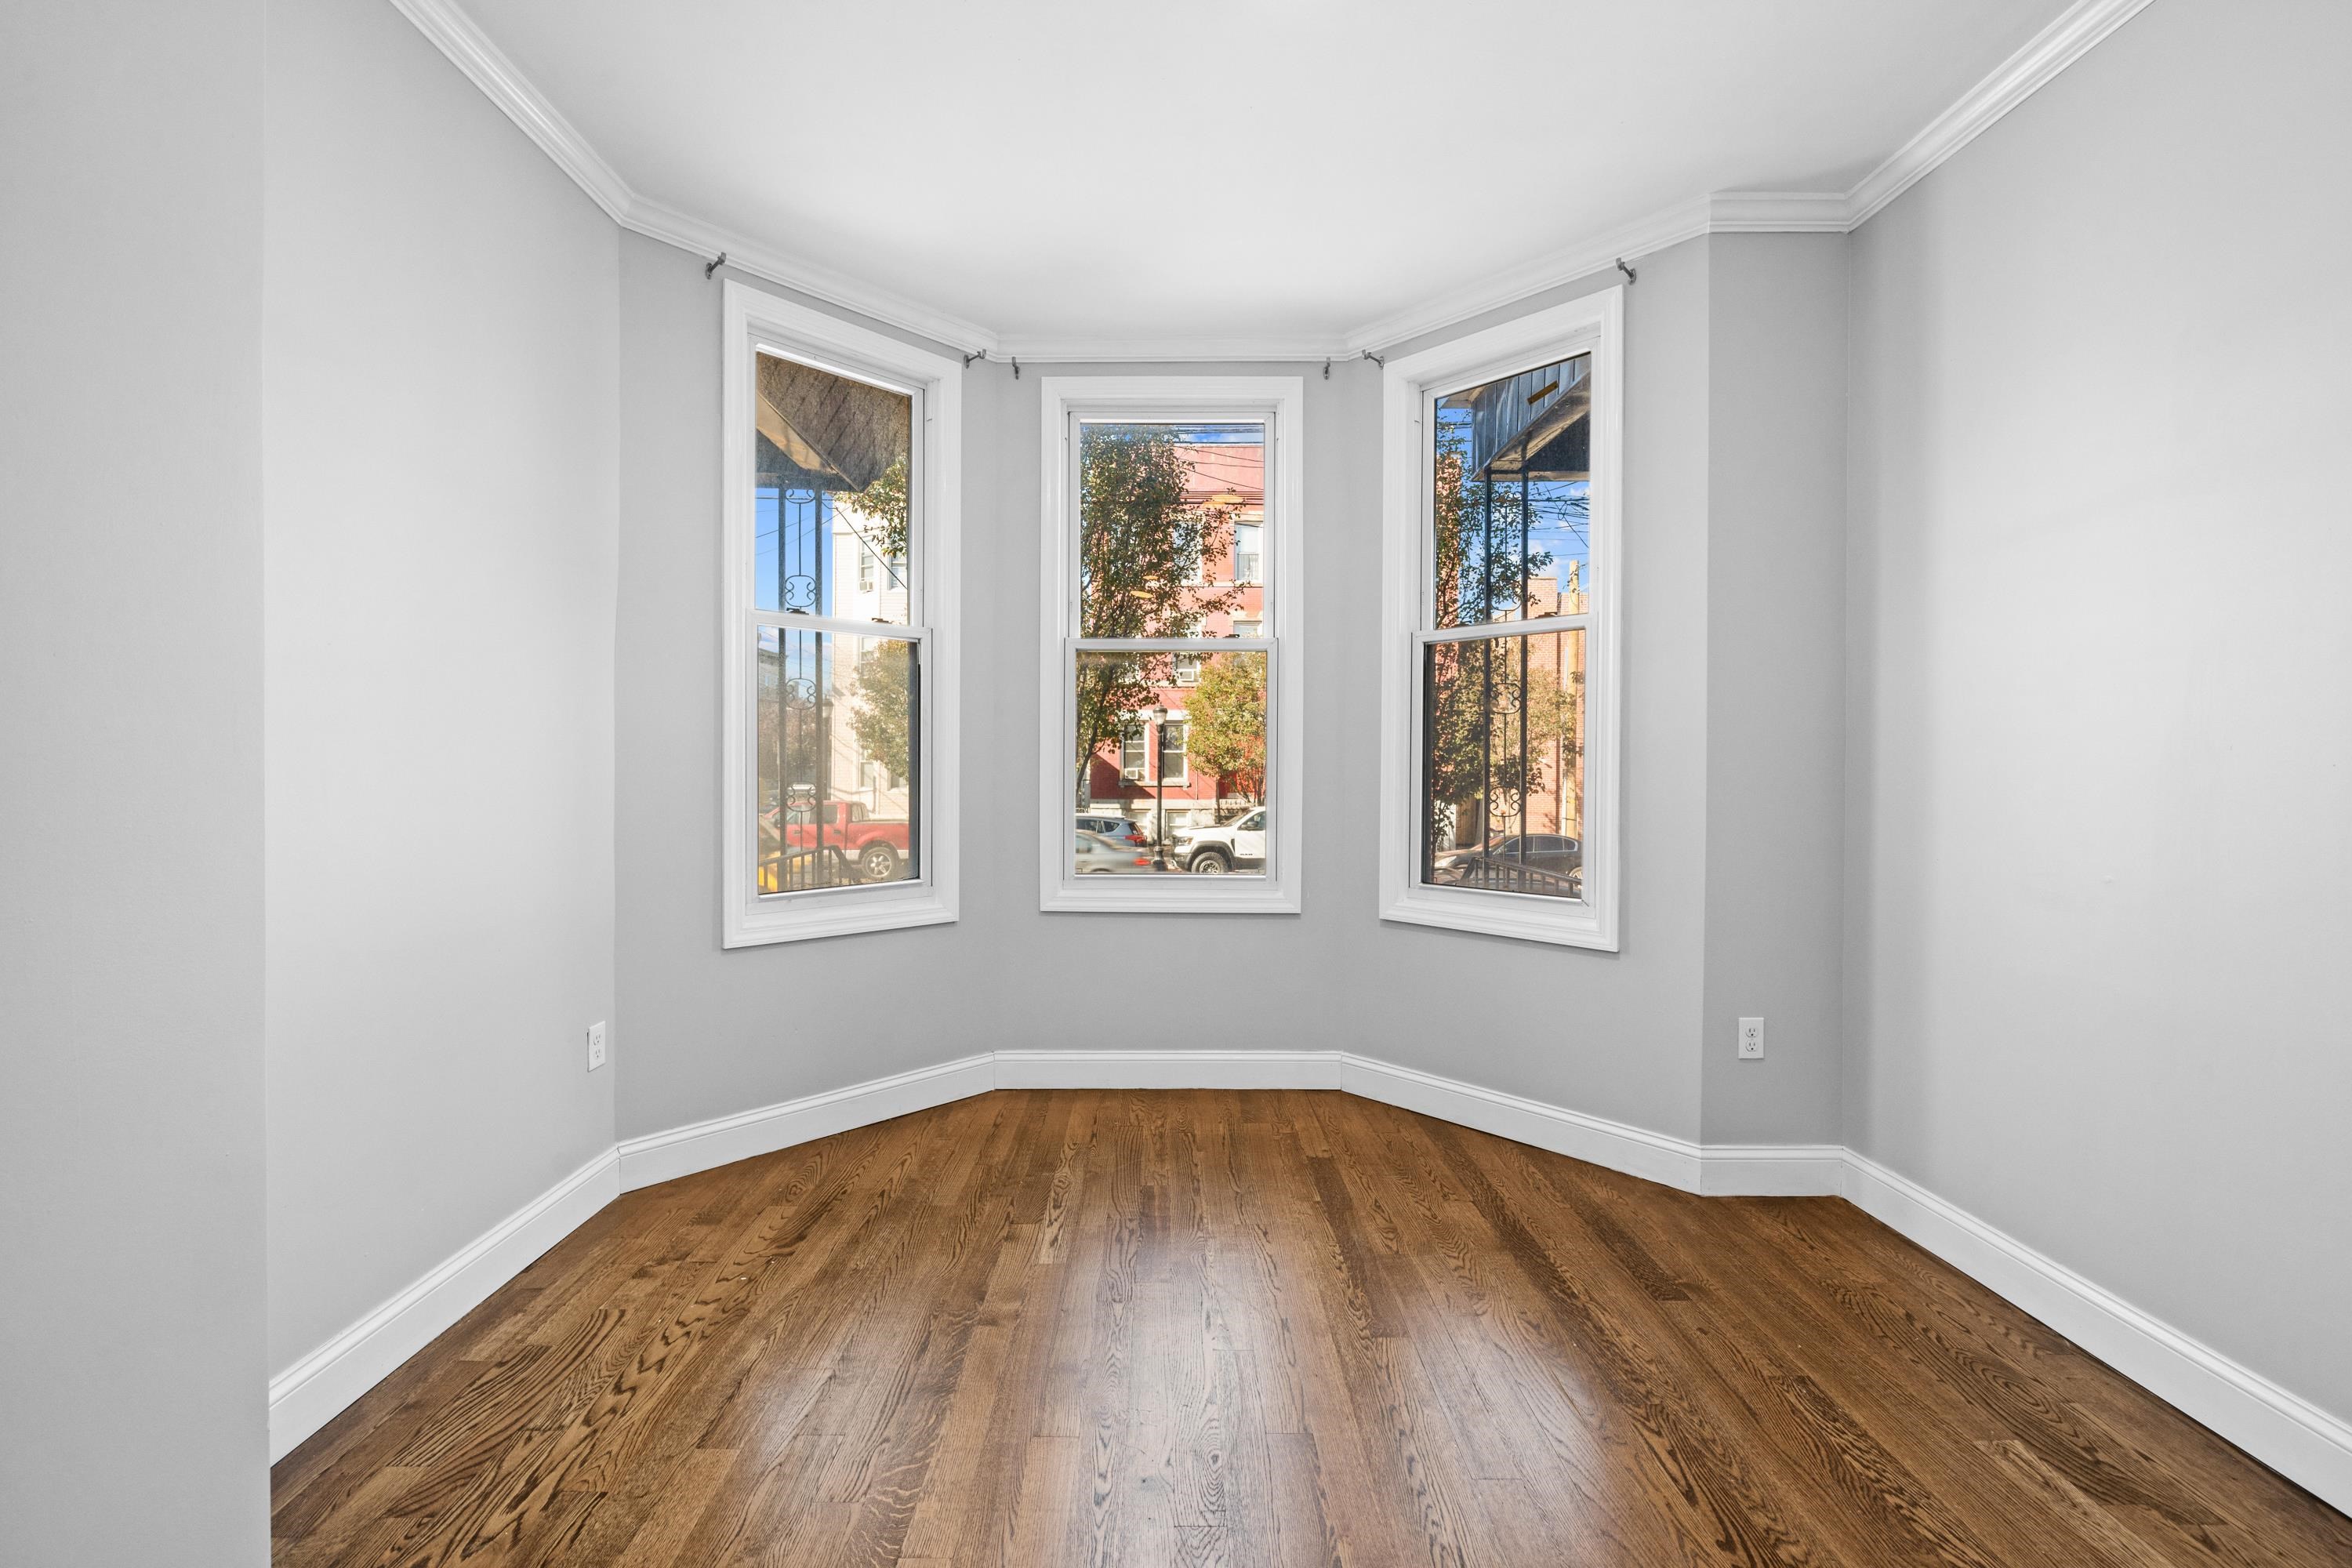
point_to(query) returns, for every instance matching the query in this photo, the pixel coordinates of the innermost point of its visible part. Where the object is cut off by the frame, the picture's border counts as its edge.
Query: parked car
(1118, 829)
(1550, 863)
(1098, 855)
(1238, 845)
(876, 850)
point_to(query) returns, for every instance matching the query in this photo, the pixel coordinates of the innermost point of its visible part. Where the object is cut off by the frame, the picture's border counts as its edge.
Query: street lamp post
(1156, 717)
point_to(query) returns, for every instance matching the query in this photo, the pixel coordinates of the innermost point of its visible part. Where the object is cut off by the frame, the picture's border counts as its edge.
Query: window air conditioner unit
(1133, 774)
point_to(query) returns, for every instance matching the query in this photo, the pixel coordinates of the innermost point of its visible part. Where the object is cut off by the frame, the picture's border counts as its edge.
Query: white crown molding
(2017, 79)
(1169, 351)
(315, 1389)
(2050, 51)
(455, 35)
(2284, 1430)
(487, 66)
(1686, 220)
(1777, 212)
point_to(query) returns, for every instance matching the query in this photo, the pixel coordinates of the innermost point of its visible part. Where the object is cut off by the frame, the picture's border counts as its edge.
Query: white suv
(1215, 851)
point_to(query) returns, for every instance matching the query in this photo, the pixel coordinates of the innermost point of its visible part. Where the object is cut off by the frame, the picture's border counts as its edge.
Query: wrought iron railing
(1503, 874)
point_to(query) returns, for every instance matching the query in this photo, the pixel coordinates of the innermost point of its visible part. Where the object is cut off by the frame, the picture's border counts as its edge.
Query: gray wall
(132, 1420)
(441, 540)
(1774, 671)
(2100, 849)
(712, 1031)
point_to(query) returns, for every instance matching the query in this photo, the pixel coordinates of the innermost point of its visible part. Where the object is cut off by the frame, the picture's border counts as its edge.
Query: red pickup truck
(843, 838)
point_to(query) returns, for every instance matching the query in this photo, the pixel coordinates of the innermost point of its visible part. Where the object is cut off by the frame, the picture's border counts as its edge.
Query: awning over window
(1535, 421)
(831, 433)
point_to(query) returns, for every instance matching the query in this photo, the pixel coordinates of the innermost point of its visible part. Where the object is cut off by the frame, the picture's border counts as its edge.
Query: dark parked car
(1550, 863)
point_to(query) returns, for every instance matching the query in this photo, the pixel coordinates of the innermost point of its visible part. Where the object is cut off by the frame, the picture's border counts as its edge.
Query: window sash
(1413, 385)
(919, 825)
(1538, 628)
(1145, 746)
(1070, 524)
(754, 322)
(1423, 642)
(1277, 402)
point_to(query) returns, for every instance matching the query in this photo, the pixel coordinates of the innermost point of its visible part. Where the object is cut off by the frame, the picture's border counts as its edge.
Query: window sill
(808, 916)
(1503, 914)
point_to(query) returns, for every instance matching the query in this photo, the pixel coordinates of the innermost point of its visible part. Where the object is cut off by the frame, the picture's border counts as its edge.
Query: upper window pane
(1171, 520)
(831, 460)
(1511, 535)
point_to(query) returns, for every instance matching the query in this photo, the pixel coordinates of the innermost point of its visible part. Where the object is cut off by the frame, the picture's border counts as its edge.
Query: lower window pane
(1502, 765)
(1168, 776)
(840, 726)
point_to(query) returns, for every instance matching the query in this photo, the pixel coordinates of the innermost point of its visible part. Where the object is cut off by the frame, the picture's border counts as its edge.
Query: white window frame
(1159, 751)
(1279, 401)
(1411, 385)
(753, 320)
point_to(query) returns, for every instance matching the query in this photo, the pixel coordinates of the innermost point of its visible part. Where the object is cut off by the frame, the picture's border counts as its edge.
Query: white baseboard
(1636, 1151)
(2293, 1436)
(1772, 1171)
(1168, 1069)
(2287, 1433)
(722, 1140)
(314, 1390)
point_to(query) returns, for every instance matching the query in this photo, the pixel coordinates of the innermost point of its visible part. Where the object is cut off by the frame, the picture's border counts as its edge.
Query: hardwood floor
(1254, 1328)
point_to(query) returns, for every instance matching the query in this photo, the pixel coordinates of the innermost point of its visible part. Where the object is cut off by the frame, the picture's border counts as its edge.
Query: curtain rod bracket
(976, 353)
(1628, 271)
(713, 264)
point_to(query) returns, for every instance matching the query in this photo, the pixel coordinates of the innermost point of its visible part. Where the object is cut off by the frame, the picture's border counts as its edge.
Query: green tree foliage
(882, 514)
(1493, 727)
(884, 718)
(1227, 726)
(1141, 550)
(1474, 533)
(1484, 715)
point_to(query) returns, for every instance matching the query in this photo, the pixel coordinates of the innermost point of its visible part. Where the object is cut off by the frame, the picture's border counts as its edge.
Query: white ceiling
(1292, 168)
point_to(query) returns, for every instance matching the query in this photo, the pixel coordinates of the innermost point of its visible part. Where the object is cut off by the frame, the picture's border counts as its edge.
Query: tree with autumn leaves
(1502, 714)
(1226, 732)
(1142, 551)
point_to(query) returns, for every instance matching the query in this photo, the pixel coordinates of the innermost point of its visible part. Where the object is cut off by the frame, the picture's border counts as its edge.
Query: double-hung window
(1499, 656)
(1170, 676)
(840, 456)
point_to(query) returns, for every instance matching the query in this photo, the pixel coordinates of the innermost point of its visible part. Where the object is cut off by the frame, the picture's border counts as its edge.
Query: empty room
(1317, 783)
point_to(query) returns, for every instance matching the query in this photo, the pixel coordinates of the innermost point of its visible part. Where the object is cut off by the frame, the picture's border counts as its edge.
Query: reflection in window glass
(1159, 528)
(832, 459)
(1186, 765)
(838, 744)
(1245, 553)
(1511, 534)
(1502, 763)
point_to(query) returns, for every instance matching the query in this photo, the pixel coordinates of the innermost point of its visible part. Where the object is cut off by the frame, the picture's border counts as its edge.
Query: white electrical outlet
(1751, 1040)
(595, 1045)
